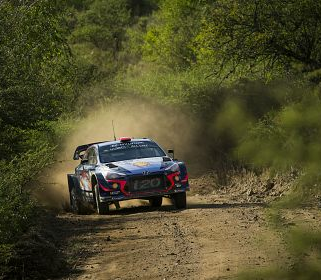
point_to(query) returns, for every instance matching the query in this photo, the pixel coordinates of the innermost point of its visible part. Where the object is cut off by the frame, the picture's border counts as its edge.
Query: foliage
(97, 38)
(134, 40)
(36, 72)
(162, 83)
(170, 35)
(287, 138)
(17, 211)
(260, 38)
(34, 56)
(103, 24)
(36, 87)
(284, 139)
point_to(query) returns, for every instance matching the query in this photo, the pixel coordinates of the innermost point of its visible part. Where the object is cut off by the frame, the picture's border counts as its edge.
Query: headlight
(113, 176)
(173, 168)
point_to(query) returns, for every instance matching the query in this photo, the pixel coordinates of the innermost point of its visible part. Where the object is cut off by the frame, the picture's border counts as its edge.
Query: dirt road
(212, 239)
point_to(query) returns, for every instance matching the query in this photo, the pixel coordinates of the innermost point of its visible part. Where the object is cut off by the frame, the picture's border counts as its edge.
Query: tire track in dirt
(134, 243)
(212, 239)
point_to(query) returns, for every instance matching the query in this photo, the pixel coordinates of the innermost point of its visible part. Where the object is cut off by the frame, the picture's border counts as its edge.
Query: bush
(17, 210)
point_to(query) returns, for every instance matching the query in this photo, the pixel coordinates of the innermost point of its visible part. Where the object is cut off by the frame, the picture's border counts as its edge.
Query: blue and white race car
(113, 171)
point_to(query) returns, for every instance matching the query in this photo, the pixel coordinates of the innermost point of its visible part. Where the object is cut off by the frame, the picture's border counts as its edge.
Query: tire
(179, 200)
(76, 205)
(156, 201)
(102, 208)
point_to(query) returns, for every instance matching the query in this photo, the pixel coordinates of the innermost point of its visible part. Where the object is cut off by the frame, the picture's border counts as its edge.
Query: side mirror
(78, 156)
(171, 152)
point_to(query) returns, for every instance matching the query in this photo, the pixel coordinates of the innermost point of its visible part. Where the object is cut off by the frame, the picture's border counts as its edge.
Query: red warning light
(125, 139)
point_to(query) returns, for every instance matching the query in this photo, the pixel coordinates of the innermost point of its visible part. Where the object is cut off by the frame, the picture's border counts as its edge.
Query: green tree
(246, 37)
(35, 74)
(170, 36)
(97, 35)
(103, 24)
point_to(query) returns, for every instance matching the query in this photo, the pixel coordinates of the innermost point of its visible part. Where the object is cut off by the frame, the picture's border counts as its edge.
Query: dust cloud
(169, 126)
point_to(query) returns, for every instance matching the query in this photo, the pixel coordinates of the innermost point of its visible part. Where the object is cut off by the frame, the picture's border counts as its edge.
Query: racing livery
(113, 171)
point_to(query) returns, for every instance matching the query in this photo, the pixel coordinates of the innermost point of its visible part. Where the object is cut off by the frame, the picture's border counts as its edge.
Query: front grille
(146, 183)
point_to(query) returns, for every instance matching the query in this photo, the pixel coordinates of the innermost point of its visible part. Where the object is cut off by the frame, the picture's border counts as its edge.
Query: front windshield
(129, 150)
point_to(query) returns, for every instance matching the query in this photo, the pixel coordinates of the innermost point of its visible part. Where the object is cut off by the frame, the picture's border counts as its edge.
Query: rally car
(113, 171)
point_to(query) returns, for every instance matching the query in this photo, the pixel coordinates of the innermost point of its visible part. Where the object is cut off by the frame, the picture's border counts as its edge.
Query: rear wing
(83, 148)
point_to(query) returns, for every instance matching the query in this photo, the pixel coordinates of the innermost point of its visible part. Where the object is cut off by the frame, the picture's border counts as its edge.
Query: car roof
(85, 147)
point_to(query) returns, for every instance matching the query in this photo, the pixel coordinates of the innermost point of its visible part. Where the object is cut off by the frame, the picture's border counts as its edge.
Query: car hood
(137, 166)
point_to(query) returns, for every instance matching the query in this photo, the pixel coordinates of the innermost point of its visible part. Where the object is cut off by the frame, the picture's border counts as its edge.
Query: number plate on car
(147, 183)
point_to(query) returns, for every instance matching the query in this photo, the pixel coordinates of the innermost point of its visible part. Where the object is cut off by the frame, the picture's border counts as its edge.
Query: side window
(92, 157)
(85, 156)
(94, 160)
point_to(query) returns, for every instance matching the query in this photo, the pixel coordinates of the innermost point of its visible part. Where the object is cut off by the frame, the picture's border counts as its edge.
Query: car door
(88, 166)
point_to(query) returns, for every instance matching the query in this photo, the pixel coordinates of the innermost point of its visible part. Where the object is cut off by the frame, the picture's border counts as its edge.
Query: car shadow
(141, 209)
(171, 208)
(225, 205)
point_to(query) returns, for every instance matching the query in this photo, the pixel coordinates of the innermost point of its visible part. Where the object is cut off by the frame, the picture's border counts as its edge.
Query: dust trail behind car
(170, 126)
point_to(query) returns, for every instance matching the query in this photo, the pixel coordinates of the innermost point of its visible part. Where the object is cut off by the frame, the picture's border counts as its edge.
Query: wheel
(156, 201)
(179, 200)
(76, 205)
(101, 207)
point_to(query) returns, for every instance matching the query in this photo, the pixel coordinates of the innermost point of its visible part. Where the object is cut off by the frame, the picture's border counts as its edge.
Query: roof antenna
(112, 122)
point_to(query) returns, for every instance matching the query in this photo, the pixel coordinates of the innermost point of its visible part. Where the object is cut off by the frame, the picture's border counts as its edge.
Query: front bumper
(118, 196)
(108, 194)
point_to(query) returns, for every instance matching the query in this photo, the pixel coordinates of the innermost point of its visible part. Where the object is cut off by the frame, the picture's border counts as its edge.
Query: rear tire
(101, 207)
(156, 201)
(179, 200)
(76, 205)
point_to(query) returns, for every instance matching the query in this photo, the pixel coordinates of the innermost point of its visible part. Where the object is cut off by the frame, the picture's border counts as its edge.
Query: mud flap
(117, 205)
(70, 181)
(74, 183)
(183, 174)
(182, 169)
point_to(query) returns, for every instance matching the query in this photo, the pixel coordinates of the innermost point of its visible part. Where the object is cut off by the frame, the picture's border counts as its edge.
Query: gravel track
(213, 239)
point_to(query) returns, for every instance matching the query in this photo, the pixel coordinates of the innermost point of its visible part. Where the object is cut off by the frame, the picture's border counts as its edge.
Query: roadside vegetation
(250, 70)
